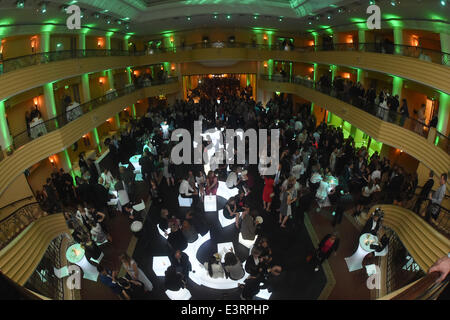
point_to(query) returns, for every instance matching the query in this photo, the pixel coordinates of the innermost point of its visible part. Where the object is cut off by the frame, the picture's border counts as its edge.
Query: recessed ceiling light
(20, 4)
(443, 2)
(42, 7)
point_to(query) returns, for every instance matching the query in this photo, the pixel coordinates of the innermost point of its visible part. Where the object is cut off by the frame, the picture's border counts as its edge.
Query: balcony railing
(12, 64)
(361, 103)
(64, 118)
(8, 65)
(16, 222)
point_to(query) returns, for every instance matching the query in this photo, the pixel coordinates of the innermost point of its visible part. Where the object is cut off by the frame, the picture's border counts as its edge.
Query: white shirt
(376, 175)
(232, 180)
(367, 192)
(298, 125)
(298, 170)
(185, 188)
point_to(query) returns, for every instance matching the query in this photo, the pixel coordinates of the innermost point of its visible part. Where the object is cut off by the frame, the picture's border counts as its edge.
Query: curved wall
(417, 146)
(430, 74)
(58, 140)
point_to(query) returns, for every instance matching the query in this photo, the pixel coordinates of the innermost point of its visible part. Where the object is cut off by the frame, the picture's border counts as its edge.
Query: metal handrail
(431, 55)
(62, 119)
(386, 115)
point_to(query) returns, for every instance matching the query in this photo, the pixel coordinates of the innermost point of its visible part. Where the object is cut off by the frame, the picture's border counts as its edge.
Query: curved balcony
(20, 257)
(27, 72)
(61, 133)
(404, 138)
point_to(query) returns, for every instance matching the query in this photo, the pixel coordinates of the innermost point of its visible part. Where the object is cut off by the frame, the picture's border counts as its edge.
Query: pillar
(45, 42)
(360, 76)
(109, 72)
(444, 110)
(398, 40)
(333, 72)
(5, 136)
(1, 55)
(445, 47)
(361, 39)
(397, 85)
(85, 88)
(49, 98)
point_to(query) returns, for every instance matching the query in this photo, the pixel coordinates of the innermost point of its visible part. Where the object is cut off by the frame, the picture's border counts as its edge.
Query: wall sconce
(173, 67)
(265, 64)
(100, 42)
(415, 41)
(350, 39)
(311, 70)
(33, 44)
(35, 101)
(162, 68)
(52, 161)
(346, 75)
(171, 39)
(100, 80)
(311, 43)
(86, 140)
(136, 73)
(265, 37)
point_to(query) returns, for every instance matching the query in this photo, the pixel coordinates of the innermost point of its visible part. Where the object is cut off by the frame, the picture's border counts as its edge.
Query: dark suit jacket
(426, 189)
(368, 226)
(251, 268)
(183, 266)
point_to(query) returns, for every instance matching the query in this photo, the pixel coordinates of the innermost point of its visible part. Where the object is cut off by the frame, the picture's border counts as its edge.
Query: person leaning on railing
(442, 266)
(436, 198)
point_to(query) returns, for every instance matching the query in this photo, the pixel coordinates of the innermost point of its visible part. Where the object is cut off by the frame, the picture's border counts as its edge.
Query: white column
(45, 42)
(361, 39)
(398, 40)
(109, 72)
(5, 137)
(445, 47)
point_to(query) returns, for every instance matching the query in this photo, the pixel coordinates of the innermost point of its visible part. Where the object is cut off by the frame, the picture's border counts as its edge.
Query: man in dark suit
(373, 224)
(426, 189)
(180, 261)
(252, 265)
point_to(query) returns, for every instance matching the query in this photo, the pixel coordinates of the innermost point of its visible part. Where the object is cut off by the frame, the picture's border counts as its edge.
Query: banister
(14, 202)
(419, 288)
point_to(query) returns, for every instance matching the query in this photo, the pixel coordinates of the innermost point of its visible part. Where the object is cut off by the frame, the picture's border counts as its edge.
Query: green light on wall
(444, 111)
(97, 140)
(393, 20)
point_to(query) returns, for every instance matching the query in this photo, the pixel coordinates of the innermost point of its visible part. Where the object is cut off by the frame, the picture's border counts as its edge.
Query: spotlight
(341, 10)
(42, 7)
(96, 15)
(371, 2)
(63, 8)
(215, 16)
(329, 17)
(443, 3)
(119, 22)
(127, 26)
(393, 3)
(228, 17)
(255, 17)
(20, 4)
(108, 20)
(280, 19)
(318, 17)
(188, 18)
(82, 12)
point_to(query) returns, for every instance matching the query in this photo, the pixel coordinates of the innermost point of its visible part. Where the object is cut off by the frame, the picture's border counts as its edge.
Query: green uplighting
(393, 20)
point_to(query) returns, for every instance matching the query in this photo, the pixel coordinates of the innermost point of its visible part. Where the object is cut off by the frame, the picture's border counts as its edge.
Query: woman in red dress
(212, 184)
(268, 192)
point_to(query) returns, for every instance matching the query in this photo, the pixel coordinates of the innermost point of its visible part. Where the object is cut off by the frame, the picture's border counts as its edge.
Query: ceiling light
(96, 15)
(280, 19)
(127, 26)
(189, 18)
(393, 3)
(443, 3)
(63, 8)
(255, 17)
(371, 2)
(20, 4)
(82, 12)
(329, 17)
(108, 20)
(228, 17)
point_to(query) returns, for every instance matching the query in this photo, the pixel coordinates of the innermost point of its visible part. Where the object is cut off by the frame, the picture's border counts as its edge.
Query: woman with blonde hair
(135, 272)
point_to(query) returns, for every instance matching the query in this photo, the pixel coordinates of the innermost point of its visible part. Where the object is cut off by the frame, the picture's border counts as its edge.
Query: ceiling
(145, 17)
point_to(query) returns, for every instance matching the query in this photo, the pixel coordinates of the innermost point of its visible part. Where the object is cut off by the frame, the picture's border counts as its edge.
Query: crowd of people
(384, 105)
(318, 168)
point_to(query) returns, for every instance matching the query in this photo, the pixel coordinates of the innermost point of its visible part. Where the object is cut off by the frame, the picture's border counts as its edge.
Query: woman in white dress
(166, 173)
(135, 272)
